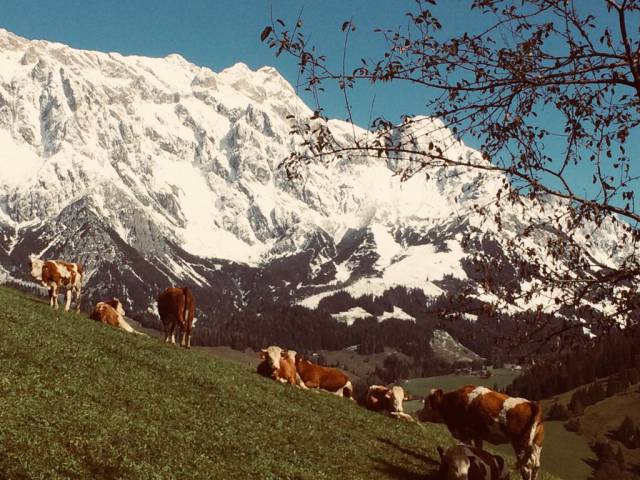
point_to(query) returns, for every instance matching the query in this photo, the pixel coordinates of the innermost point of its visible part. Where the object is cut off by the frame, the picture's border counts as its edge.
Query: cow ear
(388, 393)
(262, 354)
(435, 397)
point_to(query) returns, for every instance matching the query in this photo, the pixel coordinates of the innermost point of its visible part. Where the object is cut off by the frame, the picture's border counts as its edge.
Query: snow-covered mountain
(155, 171)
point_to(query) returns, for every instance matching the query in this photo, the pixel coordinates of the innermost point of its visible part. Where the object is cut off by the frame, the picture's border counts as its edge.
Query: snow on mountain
(155, 171)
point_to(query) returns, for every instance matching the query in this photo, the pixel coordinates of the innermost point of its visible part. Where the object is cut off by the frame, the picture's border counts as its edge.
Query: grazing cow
(176, 307)
(387, 400)
(462, 462)
(111, 313)
(56, 274)
(474, 414)
(325, 378)
(279, 365)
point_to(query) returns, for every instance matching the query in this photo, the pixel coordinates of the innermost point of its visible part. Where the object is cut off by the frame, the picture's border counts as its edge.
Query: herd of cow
(472, 414)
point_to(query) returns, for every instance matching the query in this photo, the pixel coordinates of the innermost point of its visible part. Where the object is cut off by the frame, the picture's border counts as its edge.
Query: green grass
(422, 386)
(564, 453)
(82, 400)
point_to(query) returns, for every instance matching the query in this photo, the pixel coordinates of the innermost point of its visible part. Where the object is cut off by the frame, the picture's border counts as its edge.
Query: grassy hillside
(604, 417)
(82, 400)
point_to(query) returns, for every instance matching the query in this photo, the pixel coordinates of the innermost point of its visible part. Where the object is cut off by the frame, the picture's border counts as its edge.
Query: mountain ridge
(154, 171)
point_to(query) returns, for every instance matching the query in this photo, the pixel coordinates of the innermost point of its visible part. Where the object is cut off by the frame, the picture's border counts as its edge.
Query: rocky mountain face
(155, 171)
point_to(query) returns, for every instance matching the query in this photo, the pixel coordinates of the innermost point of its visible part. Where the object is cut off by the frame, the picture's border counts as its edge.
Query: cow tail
(534, 421)
(188, 302)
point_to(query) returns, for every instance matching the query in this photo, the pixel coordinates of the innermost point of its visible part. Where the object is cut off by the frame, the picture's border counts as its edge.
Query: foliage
(536, 73)
(611, 356)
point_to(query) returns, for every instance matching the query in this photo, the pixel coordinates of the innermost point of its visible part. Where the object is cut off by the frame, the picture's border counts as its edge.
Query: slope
(80, 400)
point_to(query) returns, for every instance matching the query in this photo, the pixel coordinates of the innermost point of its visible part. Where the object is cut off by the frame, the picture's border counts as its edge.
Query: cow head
(35, 264)
(396, 396)
(272, 355)
(503, 468)
(529, 463)
(117, 305)
(432, 408)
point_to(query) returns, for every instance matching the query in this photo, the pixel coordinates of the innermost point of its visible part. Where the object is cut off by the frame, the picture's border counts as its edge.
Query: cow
(462, 462)
(324, 378)
(279, 365)
(474, 414)
(176, 307)
(387, 400)
(57, 274)
(111, 313)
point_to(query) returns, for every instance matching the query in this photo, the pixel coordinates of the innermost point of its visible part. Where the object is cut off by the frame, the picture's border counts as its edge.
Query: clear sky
(215, 33)
(219, 33)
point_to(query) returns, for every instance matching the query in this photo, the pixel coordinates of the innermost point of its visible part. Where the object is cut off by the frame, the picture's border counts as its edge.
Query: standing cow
(475, 414)
(57, 274)
(176, 307)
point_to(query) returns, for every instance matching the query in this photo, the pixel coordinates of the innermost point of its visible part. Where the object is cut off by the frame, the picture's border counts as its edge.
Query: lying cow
(474, 414)
(111, 313)
(56, 274)
(176, 307)
(279, 365)
(387, 400)
(324, 378)
(462, 462)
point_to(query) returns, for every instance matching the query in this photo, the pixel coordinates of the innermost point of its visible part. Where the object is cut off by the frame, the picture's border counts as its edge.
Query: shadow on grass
(401, 471)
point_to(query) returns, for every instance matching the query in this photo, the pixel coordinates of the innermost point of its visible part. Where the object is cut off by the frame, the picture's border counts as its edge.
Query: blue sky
(216, 33)
(219, 33)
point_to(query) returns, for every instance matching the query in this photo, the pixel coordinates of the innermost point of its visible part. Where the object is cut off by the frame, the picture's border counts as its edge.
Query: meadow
(82, 400)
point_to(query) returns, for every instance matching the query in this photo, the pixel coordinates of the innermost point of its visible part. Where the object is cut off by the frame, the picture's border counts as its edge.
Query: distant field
(422, 386)
(81, 400)
(564, 453)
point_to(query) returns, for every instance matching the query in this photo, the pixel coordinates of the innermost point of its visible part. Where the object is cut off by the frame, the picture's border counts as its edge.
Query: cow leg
(186, 337)
(51, 296)
(54, 295)
(172, 333)
(67, 295)
(167, 332)
(529, 462)
(300, 383)
(78, 299)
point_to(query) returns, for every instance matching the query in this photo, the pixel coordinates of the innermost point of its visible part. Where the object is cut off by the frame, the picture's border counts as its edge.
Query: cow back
(327, 378)
(106, 314)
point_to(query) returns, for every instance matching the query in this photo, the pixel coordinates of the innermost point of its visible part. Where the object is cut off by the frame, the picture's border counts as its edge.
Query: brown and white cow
(111, 313)
(387, 400)
(462, 462)
(55, 275)
(474, 414)
(324, 378)
(279, 365)
(176, 307)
